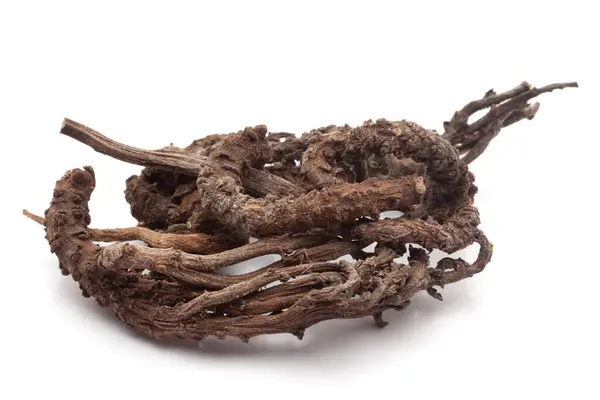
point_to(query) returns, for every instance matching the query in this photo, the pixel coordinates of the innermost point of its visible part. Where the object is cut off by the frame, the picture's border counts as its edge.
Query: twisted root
(310, 199)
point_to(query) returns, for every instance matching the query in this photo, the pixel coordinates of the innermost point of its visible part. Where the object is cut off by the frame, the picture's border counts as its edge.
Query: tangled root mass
(310, 199)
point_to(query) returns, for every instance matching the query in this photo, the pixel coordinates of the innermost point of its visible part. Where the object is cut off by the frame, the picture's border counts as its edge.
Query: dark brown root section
(197, 243)
(187, 298)
(506, 108)
(309, 199)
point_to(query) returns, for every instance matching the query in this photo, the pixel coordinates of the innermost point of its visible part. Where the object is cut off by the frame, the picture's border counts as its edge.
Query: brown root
(188, 298)
(310, 199)
(197, 243)
(506, 108)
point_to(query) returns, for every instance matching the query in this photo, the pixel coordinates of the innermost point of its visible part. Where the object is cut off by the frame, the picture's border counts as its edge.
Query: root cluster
(311, 199)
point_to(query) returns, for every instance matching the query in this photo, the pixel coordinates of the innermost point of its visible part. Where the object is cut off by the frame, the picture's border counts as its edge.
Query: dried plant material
(198, 243)
(310, 199)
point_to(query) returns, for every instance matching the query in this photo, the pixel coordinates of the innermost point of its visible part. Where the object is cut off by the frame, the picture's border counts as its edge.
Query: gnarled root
(310, 199)
(506, 108)
(186, 297)
(197, 243)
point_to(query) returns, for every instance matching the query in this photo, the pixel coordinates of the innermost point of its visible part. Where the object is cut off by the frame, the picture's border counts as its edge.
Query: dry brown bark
(311, 199)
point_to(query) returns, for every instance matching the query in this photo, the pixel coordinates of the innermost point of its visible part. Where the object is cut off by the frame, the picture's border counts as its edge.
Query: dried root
(311, 199)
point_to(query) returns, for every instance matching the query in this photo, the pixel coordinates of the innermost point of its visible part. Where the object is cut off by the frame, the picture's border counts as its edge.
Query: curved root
(310, 199)
(189, 299)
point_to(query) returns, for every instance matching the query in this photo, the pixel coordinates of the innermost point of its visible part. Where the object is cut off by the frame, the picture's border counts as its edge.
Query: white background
(151, 73)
